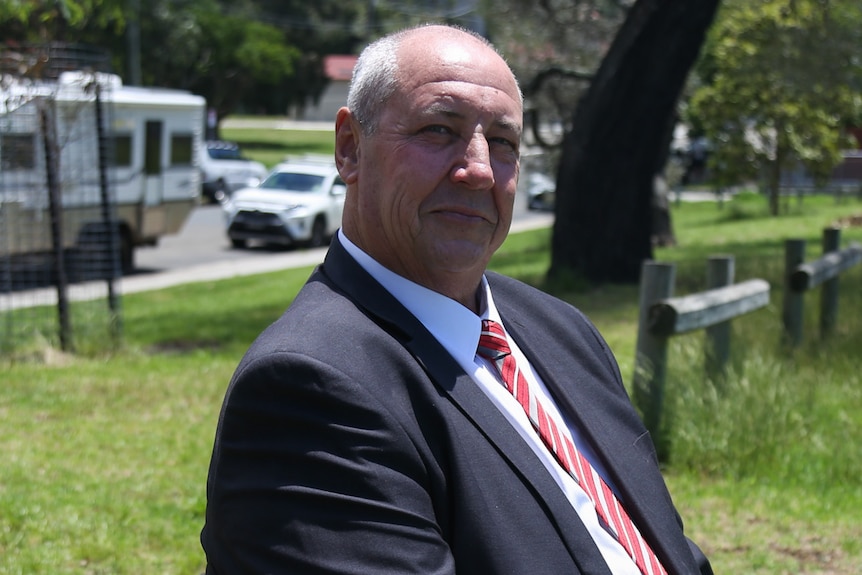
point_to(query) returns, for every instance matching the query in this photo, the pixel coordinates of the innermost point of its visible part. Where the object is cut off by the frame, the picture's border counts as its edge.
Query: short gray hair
(375, 78)
(375, 75)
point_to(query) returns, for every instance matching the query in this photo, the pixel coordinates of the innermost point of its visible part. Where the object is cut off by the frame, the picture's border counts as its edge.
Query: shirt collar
(453, 325)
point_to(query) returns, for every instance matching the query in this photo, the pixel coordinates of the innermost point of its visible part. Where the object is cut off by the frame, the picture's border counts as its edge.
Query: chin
(461, 256)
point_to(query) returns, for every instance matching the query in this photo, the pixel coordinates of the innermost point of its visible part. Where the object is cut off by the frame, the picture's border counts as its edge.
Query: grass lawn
(105, 455)
(272, 146)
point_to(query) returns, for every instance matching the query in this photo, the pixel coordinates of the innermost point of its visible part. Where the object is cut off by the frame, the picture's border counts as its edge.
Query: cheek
(508, 171)
(507, 186)
(411, 180)
(391, 207)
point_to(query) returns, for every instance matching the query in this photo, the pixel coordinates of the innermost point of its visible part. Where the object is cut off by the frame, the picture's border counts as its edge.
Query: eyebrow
(447, 111)
(510, 126)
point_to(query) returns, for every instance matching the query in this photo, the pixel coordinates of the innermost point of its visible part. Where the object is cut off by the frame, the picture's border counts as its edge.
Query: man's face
(437, 179)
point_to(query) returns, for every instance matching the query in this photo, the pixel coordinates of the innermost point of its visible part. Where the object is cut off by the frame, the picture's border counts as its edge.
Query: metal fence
(59, 257)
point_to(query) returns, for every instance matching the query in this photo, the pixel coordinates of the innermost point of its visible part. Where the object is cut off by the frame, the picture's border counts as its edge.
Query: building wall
(333, 98)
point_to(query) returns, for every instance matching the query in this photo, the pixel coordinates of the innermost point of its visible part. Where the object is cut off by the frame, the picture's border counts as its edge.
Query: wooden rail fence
(801, 276)
(663, 316)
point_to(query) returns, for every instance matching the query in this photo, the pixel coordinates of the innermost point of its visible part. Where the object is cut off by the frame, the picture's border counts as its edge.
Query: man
(367, 431)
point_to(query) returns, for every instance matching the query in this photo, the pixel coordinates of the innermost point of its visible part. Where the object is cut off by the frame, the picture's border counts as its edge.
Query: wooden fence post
(829, 291)
(719, 273)
(657, 280)
(794, 255)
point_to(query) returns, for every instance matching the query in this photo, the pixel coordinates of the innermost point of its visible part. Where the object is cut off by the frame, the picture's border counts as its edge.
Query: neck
(461, 285)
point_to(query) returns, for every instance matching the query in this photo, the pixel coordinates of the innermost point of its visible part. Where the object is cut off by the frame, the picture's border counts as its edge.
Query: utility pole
(133, 36)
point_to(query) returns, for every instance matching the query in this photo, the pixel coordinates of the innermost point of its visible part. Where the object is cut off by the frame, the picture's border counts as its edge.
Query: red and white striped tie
(494, 347)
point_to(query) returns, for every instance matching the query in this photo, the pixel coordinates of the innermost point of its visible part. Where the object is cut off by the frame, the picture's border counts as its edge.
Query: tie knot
(492, 341)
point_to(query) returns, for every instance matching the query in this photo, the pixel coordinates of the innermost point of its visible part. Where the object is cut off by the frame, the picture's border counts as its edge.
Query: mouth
(464, 215)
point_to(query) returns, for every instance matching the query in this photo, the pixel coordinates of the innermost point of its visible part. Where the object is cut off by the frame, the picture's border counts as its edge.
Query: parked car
(224, 169)
(541, 192)
(299, 203)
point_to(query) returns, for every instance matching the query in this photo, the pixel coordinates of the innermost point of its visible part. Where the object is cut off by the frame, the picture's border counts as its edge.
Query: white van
(154, 136)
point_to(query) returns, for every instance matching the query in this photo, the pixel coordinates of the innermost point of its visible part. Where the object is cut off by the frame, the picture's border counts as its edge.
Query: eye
(437, 129)
(505, 142)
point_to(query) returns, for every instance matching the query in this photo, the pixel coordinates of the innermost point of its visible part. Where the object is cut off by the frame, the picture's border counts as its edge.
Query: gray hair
(375, 78)
(375, 75)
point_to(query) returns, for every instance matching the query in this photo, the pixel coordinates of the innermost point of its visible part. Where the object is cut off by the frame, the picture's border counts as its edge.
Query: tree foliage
(256, 55)
(56, 20)
(780, 82)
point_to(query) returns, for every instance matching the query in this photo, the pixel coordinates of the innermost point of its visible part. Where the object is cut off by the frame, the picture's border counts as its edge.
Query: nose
(474, 168)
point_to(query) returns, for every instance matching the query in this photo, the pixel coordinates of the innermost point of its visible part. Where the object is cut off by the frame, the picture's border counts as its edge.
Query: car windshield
(224, 153)
(293, 182)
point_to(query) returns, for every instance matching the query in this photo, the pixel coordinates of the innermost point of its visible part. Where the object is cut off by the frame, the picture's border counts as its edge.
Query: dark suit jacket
(351, 442)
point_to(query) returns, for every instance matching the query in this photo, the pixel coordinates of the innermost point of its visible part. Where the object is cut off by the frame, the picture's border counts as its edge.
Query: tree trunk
(617, 144)
(773, 174)
(772, 187)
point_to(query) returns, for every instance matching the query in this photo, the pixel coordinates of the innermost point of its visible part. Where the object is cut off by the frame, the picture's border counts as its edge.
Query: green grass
(272, 146)
(105, 454)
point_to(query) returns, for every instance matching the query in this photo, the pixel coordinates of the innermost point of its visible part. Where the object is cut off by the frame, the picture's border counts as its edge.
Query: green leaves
(264, 52)
(781, 81)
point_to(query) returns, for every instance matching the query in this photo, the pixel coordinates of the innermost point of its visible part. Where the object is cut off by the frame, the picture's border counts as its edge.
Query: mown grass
(271, 146)
(105, 454)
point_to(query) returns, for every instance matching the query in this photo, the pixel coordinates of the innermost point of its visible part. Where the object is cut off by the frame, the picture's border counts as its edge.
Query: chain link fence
(59, 250)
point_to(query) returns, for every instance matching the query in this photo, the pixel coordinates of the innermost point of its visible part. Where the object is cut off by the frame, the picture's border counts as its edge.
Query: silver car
(299, 203)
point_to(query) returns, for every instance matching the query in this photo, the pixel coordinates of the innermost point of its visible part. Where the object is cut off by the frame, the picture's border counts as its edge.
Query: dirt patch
(44, 355)
(854, 221)
(814, 555)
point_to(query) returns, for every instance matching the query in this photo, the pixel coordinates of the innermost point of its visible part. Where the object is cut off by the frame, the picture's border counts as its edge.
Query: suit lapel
(448, 376)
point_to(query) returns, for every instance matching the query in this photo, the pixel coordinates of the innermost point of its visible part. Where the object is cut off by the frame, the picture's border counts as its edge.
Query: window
(181, 149)
(224, 153)
(17, 151)
(153, 148)
(293, 182)
(122, 150)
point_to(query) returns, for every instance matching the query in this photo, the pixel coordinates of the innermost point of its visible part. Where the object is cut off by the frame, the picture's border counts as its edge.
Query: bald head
(384, 64)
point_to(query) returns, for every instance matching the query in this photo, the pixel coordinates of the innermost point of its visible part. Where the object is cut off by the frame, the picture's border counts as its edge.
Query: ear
(347, 133)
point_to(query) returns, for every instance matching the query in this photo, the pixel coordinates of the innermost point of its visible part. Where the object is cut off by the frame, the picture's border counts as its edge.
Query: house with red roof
(338, 69)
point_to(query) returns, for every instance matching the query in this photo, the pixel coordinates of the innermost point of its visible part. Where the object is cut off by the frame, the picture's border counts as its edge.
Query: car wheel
(318, 233)
(237, 243)
(220, 192)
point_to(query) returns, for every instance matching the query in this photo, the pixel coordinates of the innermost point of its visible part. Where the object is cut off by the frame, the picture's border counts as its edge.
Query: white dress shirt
(458, 329)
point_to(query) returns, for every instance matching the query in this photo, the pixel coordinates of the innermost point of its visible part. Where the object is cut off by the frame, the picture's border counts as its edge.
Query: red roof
(339, 67)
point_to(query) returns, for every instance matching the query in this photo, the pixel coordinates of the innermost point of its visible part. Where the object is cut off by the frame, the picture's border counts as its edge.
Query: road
(201, 252)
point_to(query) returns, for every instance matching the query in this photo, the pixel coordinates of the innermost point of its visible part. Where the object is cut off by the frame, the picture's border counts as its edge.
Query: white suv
(224, 169)
(299, 203)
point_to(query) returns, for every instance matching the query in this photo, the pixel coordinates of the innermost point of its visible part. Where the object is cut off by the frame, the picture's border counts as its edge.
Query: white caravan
(152, 176)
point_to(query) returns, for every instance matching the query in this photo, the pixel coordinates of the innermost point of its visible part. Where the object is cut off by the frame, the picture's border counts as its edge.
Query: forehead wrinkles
(458, 77)
(428, 56)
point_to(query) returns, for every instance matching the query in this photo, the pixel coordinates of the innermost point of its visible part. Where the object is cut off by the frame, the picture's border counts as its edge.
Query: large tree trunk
(618, 145)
